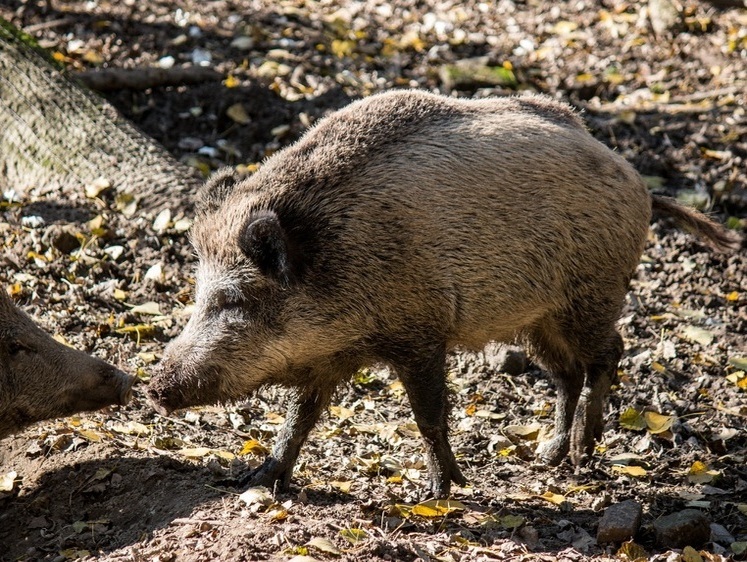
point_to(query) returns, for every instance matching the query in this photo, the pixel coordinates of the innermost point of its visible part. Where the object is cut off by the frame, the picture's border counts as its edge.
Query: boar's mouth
(174, 391)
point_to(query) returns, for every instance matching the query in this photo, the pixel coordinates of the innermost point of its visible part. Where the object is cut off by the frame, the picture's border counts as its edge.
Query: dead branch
(109, 79)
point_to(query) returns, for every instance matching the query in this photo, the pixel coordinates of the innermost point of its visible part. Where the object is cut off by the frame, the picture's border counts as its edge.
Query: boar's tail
(712, 233)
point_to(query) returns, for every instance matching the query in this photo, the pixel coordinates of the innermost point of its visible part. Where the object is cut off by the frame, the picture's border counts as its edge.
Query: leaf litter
(677, 415)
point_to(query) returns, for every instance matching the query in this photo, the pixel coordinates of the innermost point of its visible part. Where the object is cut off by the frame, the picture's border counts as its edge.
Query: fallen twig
(109, 79)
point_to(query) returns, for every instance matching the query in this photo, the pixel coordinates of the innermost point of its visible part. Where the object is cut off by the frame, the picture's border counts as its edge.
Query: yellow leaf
(93, 57)
(119, 294)
(342, 48)
(742, 507)
(231, 81)
(437, 508)
(658, 423)
(630, 470)
(699, 473)
(344, 487)
(195, 452)
(60, 338)
(656, 366)
(139, 330)
(238, 114)
(253, 447)
(278, 514)
(36, 256)
(689, 554)
(733, 296)
(341, 412)
(632, 419)
(89, 435)
(632, 552)
(225, 455)
(354, 536)
(738, 378)
(552, 497)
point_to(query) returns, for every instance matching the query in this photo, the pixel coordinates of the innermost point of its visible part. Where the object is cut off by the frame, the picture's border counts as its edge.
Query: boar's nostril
(158, 401)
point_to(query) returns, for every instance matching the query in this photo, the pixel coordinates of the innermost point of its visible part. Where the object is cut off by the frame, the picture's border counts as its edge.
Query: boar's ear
(216, 189)
(264, 241)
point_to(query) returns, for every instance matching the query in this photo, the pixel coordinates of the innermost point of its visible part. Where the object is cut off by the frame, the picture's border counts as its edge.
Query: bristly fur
(413, 223)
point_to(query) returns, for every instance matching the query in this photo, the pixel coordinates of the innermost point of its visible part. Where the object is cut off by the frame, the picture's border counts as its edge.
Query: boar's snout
(178, 384)
(126, 382)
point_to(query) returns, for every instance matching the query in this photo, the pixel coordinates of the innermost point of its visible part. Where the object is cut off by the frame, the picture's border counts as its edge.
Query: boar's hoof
(582, 449)
(273, 474)
(440, 484)
(553, 451)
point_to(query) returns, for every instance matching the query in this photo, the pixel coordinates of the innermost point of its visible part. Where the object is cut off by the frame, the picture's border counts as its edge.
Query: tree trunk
(57, 136)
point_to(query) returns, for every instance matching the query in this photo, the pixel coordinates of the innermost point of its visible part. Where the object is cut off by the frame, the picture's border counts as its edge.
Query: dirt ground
(128, 484)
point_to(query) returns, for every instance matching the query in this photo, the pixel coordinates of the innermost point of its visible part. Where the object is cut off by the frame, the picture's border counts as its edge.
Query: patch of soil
(128, 484)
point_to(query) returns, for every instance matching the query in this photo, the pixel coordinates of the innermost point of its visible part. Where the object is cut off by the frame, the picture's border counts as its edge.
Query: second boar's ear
(264, 241)
(215, 190)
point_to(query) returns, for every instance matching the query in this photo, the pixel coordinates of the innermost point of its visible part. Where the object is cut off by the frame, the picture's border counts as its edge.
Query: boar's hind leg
(588, 422)
(568, 381)
(423, 374)
(305, 408)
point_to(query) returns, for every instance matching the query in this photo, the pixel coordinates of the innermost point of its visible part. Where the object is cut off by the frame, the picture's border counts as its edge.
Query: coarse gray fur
(401, 227)
(40, 378)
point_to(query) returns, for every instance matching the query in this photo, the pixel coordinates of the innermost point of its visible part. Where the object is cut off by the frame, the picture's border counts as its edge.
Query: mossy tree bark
(58, 137)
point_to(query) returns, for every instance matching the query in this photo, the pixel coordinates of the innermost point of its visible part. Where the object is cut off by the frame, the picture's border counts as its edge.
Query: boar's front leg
(423, 374)
(305, 408)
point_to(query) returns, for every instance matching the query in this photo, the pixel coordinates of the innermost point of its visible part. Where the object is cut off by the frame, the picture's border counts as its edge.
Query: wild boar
(41, 378)
(401, 227)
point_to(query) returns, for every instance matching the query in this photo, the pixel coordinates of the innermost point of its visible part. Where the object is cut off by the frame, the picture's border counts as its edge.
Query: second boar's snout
(127, 382)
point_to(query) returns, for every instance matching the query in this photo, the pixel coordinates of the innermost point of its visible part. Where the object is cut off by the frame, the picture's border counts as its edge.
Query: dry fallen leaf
(149, 308)
(437, 508)
(557, 499)
(325, 545)
(699, 473)
(658, 423)
(257, 496)
(632, 552)
(354, 536)
(698, 335)
(253, 447)
(632, 419)
(238, 114)
(630, 470)
(7, 481)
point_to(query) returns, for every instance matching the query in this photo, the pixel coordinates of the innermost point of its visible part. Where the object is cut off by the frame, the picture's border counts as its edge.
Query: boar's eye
(16, 346)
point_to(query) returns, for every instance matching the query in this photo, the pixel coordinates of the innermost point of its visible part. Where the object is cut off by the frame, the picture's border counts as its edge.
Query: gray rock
(620, 522)
(688, 527)
(720, 535)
